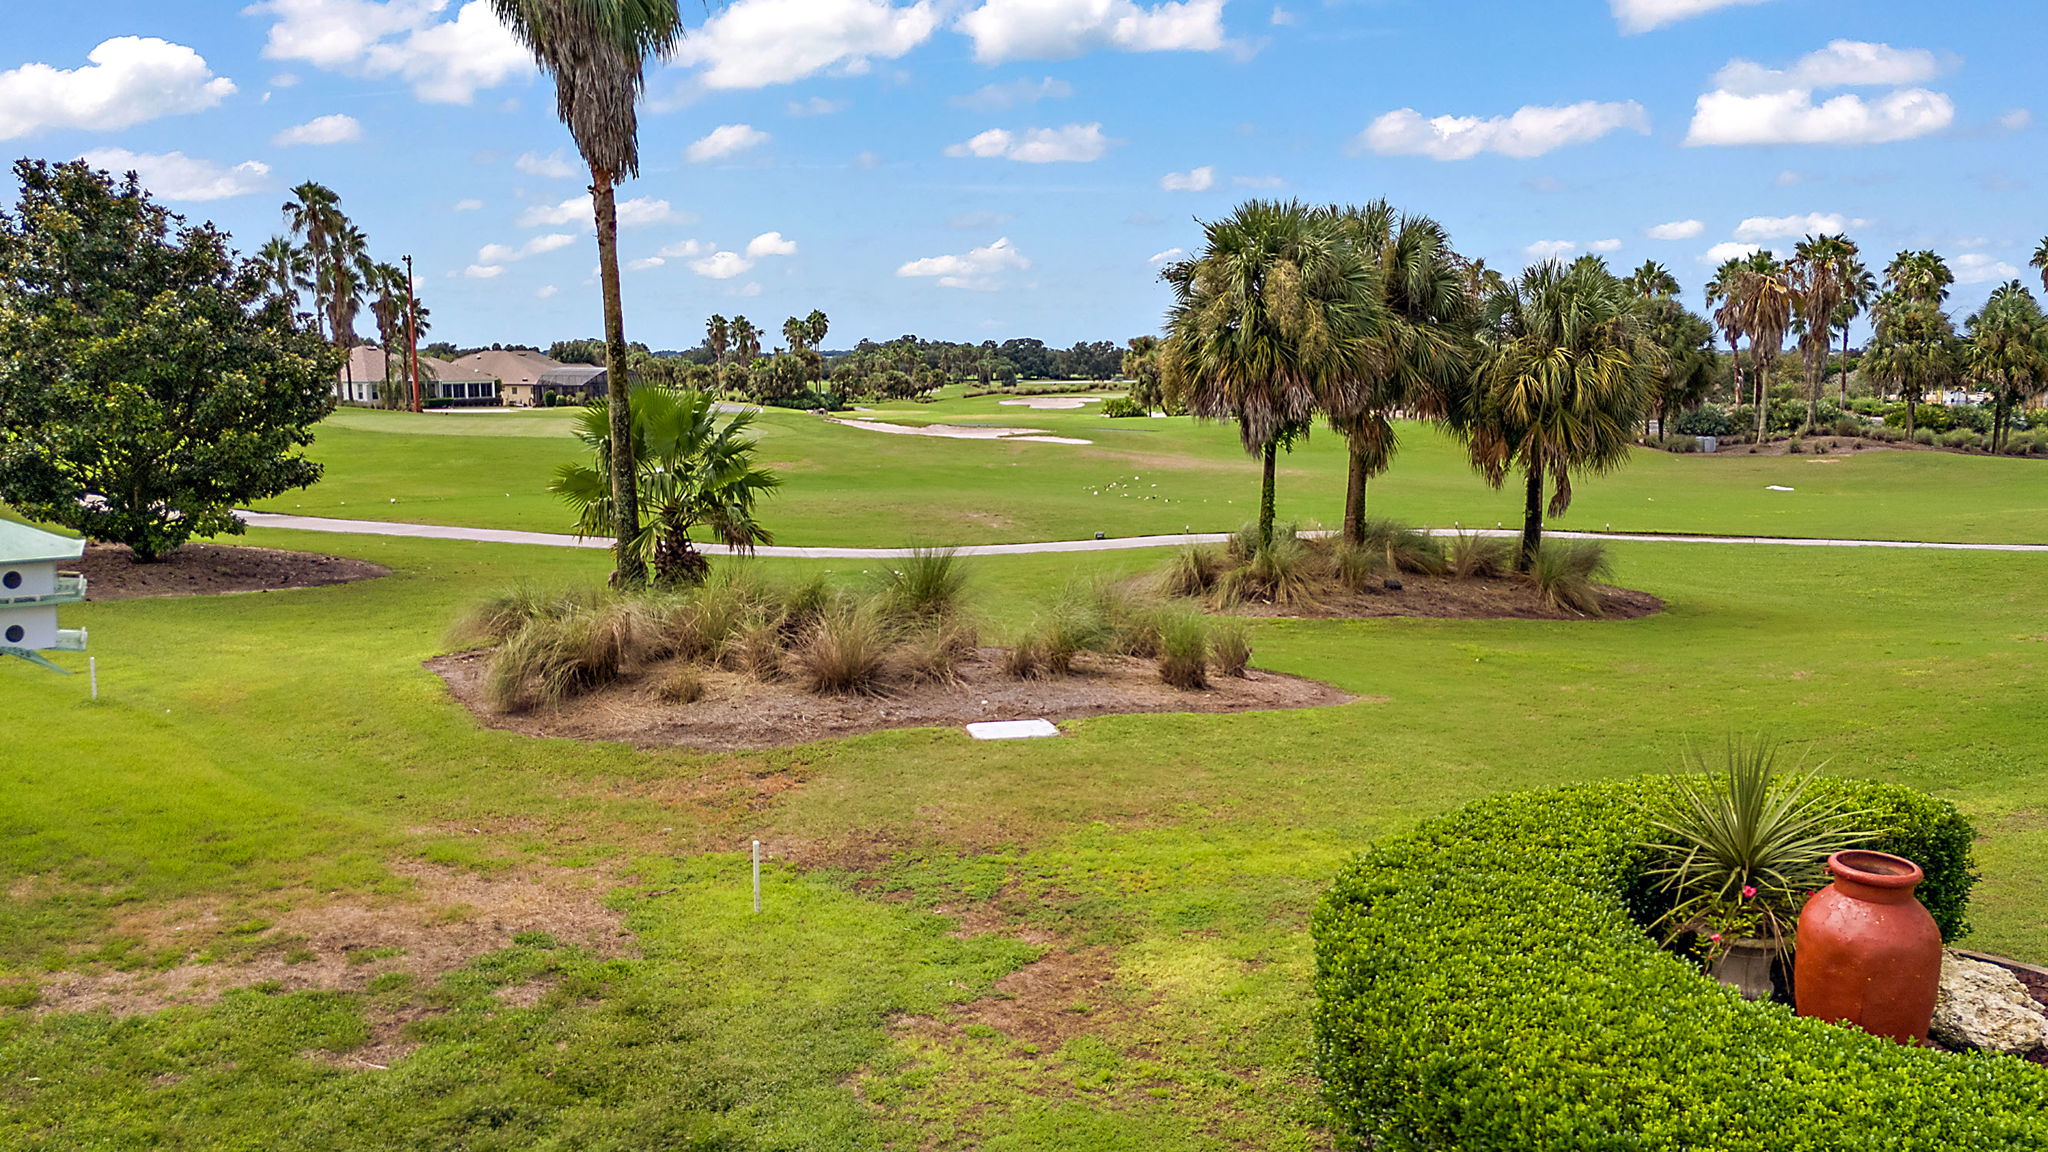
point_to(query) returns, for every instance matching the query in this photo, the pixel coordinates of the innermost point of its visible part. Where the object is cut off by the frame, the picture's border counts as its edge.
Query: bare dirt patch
(211, 569)
(1441, 597)
(1061, 995)
(450, 917)
(739, 712)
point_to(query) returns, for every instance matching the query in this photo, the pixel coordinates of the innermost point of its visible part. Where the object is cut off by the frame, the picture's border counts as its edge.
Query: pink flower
(1748, 891)
(1716, 938)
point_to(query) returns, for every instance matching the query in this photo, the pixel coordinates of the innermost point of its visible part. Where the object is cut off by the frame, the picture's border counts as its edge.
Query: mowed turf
(852, 486)
(259, 756)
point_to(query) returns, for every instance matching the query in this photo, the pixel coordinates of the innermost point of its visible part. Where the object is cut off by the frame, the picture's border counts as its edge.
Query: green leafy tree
(1275, 315)
(1914, 350)
(1140, 364)
(597, 51)
(697, 471)
(2008, 352)
(149, 380)
(1564, 380)
(1420, 346)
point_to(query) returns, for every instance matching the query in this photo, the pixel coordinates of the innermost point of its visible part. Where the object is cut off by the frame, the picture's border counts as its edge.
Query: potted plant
(1742, 846)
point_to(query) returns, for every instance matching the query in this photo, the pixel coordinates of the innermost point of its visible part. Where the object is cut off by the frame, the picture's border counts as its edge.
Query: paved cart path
(1115, 543)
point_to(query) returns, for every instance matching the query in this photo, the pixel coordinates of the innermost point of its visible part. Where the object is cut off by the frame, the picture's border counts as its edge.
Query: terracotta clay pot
(1869, 954)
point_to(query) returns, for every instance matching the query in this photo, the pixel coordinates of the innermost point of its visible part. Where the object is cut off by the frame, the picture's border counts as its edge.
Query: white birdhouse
(31, 588)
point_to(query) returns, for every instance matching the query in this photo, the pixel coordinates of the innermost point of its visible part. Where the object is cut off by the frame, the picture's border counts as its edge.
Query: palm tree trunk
(1820, 376)
(1845, 366)
(1532, 519)
(1354, 500)
(1762, 403)
(627, 570)
(1272, 462)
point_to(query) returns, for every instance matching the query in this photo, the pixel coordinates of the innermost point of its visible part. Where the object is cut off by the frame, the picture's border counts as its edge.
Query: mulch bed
(210, 569)
(739, 713)
(1442, 597)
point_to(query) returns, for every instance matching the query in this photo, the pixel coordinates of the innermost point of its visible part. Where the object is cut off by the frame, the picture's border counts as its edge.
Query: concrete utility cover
(1011, 729)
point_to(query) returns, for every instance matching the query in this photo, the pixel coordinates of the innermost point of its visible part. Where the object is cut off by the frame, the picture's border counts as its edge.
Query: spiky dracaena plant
(1746, 837)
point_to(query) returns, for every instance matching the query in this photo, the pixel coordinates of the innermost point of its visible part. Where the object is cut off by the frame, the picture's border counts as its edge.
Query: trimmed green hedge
(1485, 983)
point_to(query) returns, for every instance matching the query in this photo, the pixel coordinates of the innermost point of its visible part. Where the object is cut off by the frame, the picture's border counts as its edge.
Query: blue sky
(976, 169)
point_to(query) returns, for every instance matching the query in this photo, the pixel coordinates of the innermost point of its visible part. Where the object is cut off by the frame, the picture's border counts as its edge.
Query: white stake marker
(757, 877)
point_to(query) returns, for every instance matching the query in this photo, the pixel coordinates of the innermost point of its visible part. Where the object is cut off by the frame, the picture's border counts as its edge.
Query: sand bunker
(1064, 402)
(963, 432)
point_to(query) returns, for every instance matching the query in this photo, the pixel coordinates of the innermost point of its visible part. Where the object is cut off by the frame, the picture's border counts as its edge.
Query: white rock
(1985, 1007)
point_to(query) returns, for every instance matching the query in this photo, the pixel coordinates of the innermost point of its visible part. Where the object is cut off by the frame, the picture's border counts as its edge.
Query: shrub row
(1486, 983)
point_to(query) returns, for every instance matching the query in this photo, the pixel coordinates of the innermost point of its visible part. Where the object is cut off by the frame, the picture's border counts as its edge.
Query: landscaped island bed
(210, 569)
(740, 712)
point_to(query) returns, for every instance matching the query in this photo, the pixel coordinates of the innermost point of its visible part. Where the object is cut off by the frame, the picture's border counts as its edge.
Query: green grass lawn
(260, 756)
(848, 486)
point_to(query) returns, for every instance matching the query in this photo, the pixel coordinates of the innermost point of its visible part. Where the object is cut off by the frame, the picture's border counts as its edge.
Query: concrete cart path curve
(1113, 544)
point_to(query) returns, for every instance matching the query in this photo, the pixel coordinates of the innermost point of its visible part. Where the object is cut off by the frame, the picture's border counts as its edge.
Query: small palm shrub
(927, 583)
(1742, 845)
(1282, 572)
(1192, 572)
(1565, 572)
(1473, 556)
(684, 685)
(847, 652)
(1184, 651)
(1410, 549)
(1230, 647)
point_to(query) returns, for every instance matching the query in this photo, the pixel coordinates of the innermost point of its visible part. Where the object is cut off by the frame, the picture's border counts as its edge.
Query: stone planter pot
(1869, 954)
(1746, 967)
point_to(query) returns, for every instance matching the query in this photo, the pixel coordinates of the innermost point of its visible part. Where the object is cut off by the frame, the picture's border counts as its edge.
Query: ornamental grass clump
(555, 656)
(1408, 549)
(1192, 572)
(1230, 647)
(847, 652)
(1281, 572)
(1741, 845)
(927, 583)
(1565, 573)
(1359, 568)
(1184, 651)
(1472, 556)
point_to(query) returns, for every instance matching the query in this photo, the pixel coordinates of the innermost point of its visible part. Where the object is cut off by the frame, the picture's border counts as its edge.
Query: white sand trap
(1067, 402)
(963, 432)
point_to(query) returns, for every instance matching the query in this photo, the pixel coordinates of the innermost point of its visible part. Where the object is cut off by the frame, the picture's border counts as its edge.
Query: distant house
(518, 373)
(442, 384)
(572, 383)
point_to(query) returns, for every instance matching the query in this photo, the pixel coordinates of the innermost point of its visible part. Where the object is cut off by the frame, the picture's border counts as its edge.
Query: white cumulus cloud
(469, 204)
(336, 129)
(686, 250)
(770, 244)
(554, 165)
(1729, 250)
(548, 243)
(1549, 249)
(1754, 104)
(496, 254)
(444, 61)
(1531, 131)
(483, 271)
(979, 269)
(1196, 180)
(1798, 224)
(815, 106)
(1074, 143)
(1057, 29)
(1170, 256)
(725, 140)
(644, 263)
(995, 97)
(176, 176)
(634, 213)
(545, 291)
(125, 81)
(1644, 15)
(1611, 244)
(721, 265)
(755, 43)
(1979, 268)
(1675, 230)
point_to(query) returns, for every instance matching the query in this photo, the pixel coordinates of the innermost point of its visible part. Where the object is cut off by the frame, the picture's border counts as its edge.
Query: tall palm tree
(1914, 349)
(746, 342)
(314, 214)
(1922, 276)
(796, 334)
(1275, 314)
(2040, 262)
(597, 51)
(1726, 312)
(1564, 380)
(696, 471)
(1763, 293)
(341, 286)
(1859, 292)
(815, 328)
(2009, 351)
(388, 292)
(1652, 281)
(1819, 271)
(287, 270)
(1421, 349)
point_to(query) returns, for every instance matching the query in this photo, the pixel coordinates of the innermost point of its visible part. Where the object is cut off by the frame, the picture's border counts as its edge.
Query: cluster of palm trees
(326, 259)
(1355, 316)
